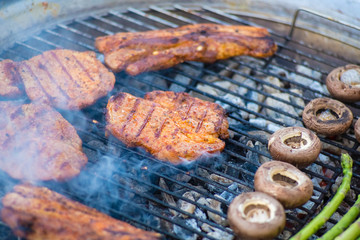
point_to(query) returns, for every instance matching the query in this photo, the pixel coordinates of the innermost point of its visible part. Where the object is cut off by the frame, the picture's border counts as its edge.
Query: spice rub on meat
(39, 213)
(163, 131)
(159, 49)
(37, 143)
(203, 117)
(66, 79)
(11, 85)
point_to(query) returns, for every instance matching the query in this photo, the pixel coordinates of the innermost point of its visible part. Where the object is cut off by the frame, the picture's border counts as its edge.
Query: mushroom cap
(296, 145)
(256, 215)
(339, 89)
(290, 186)
(330, 127)
(357, 130)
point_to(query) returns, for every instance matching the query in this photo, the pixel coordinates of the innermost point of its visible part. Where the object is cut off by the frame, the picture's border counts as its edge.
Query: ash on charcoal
(200, 214)
(283, 106)
(186, 234)
(224, 72)
(252, 164)
(316, 86)
(297, 101)
(263, 158)
(273, 127)
(238, 102)
(185, 205)
(253, 106)
(274, 81)
(190, 70)
(215, 205)
(278, 71)
(306, 81)
(167, 197)
(220, 179)
(258, 122)
(228, 196)
(216, 233)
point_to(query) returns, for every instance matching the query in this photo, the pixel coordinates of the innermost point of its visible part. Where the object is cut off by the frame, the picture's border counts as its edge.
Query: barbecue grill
(190, 201)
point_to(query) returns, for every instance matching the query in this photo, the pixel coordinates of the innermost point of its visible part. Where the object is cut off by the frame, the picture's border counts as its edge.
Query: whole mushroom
(327, 116)
(290, 186)
(296, 145)
(343, 83)
(256, 215)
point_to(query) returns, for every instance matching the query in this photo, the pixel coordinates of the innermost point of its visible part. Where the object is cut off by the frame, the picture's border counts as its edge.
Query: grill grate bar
(155, 161)
(162, 203)
(172, 15)
(132, 20)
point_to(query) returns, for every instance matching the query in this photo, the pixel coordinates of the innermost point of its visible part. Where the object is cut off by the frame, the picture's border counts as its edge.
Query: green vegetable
(353, 232)
(330, 208)
(344, 222)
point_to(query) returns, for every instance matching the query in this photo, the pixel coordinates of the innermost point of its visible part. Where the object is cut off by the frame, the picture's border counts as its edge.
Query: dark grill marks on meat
(195, 111)
(131, 114)
(11, 85)
(201, 122)
(36, 79)
(53, 54)
(158, 132)
(83, 68)
(37, 143)
(162, 131)
(66, 79)
(39, 213)
(160, 49)
(52, 79)
(146, 120)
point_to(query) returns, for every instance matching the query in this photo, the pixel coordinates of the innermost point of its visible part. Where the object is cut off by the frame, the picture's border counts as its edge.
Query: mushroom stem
(344, 222)
(330, 208)
(353, 232)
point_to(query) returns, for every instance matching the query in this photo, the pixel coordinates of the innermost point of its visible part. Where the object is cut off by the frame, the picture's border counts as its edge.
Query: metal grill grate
(132, 186)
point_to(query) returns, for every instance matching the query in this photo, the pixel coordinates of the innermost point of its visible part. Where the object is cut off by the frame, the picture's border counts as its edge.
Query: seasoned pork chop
(205, 117)
(37, 143)
(39, 213)
(164, 133)
(66, 79)
(159, 49)
(11, 85)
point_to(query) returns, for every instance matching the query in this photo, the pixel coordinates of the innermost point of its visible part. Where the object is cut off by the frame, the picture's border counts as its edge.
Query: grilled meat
(10, 84)
(206, 117)
(66, 79)
(37, 143)
(166, 134)
(39, 213)
(153, 50)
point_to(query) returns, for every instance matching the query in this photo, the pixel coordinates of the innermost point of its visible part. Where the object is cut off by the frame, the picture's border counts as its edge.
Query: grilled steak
(37, 143)
(153, 50)
(66, 79)
(165, 133)
(39, 213)
(10, 83)
(205, 117)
